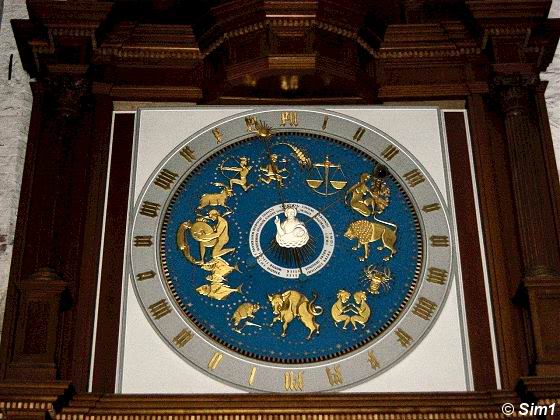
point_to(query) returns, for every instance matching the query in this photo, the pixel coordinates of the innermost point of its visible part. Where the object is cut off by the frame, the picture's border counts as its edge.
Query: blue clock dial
(291, 247)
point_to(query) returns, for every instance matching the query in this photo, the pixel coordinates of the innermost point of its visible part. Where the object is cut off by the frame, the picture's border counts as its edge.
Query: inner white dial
(291, 232)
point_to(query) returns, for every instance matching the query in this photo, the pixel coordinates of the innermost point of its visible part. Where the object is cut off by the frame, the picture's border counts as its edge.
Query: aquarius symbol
(328, 183)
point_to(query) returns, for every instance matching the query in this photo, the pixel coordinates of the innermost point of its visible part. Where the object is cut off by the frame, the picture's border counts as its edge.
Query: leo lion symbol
(292, 304)
(367, 232)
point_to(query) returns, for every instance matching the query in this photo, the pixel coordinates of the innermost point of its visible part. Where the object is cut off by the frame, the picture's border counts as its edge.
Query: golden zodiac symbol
(339, 309)
(243, 170)
(377, 279)
(369, 200)
(292, 304)
(215, 237)
(182, 243)
(367, 232)
(360, 310)
(363, 310)
(299, 155)
(218, 291)
(245, 311)
(258, 127)
(219, 269)
(216, 199)
(272, 172)
(326, 179)
(380, 195)
(361, 196)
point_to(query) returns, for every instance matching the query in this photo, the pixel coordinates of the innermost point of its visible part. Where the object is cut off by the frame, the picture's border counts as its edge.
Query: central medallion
(291, 233)
(285, 240)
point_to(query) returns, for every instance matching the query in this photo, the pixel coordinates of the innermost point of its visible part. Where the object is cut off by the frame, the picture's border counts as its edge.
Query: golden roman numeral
(293, 381)
(182, 338)
(424, 308)
(149, 209)
(403, 337)
(218, 135)
(325, 121)
(431, 207)
(143, 240)
(160, 308)
(289, 117)
(165, 179)
(215, 360)
(437, 275)
(414, 177)
(359, 133)
(436, 240)
(252, 375)
(146, 275)
(187, 153)
(390, 152)
(334, 375)
(373, 360)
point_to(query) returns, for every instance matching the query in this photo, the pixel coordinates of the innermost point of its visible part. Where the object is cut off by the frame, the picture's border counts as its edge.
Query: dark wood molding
(54, 277)
(91, 242)
(326, 406)
(474, 289)
(247, 48)
(537, 236)
(33, 400)
(12, 312)
(498, 230)
(540, 389)
(548, 153)
(37, 328)
(58, 400)
(110, 287)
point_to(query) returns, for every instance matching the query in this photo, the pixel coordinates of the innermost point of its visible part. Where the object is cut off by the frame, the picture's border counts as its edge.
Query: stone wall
(552, 93)
(15, 109)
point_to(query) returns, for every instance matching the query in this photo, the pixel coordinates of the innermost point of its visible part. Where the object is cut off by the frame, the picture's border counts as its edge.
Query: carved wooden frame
(86, 55)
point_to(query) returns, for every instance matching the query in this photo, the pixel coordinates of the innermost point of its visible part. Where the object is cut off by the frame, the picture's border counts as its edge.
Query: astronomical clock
(285, 250)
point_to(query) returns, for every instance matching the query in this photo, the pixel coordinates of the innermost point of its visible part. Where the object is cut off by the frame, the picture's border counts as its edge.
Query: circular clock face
(291, 250)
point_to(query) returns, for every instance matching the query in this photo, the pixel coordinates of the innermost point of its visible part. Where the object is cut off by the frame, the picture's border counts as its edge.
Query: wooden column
(41, 298)
(534, 211)
(51, 300)
(516, 44)
(499, 232)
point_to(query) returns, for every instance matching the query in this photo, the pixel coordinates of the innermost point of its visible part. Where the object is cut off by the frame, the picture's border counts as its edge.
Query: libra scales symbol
(329, 182)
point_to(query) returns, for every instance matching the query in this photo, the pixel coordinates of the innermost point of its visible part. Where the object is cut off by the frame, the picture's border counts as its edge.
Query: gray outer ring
(235, 369)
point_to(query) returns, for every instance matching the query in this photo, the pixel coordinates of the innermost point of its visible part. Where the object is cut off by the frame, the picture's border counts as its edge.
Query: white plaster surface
(148, 365)
(15, 110)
